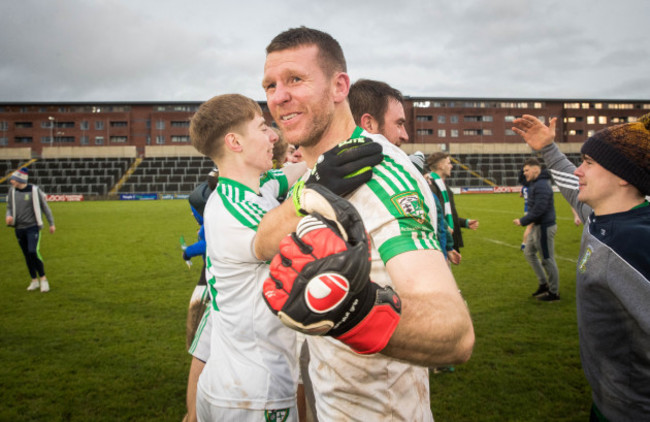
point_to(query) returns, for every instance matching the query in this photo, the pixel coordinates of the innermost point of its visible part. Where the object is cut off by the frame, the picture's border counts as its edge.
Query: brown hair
(531, 161)
(368, 96)
(217, 117)
(330, 53)
(280, 148)
(435, 158)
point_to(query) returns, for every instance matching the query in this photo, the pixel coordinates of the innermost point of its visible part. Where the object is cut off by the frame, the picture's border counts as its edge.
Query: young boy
(252, 371)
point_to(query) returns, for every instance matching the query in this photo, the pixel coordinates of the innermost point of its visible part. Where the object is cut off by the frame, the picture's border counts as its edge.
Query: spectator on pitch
(524, 194)
(26, 204)
(541, 239)
(378, 108)
(444, 235)
(294, 155)
(198, 314)
(306, 87)
(441, 167)
(609, 192)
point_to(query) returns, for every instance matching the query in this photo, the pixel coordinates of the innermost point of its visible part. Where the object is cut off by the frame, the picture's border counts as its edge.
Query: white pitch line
(502, 243)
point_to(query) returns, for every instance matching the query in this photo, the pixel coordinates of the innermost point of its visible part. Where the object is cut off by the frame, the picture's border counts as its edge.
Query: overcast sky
(191, 50)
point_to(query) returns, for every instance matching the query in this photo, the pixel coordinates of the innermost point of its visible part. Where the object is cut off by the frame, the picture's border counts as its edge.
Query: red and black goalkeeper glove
(319, 282)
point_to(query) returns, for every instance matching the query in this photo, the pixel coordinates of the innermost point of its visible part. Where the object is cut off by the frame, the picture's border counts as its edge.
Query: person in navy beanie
(26, 204)
(609, 192)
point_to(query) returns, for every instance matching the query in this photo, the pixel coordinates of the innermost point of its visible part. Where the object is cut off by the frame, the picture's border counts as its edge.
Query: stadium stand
(180, 175)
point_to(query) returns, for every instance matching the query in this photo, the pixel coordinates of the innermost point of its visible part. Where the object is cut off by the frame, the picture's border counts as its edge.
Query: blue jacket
(541, 207)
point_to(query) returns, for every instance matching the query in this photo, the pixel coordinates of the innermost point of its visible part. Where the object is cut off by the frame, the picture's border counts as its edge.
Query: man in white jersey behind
(306, 86)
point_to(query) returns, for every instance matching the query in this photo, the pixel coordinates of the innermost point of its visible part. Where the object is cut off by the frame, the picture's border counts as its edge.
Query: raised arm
(536, 134)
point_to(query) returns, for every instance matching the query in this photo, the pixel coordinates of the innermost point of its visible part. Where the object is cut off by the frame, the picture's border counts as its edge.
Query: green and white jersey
(253, 362)
(400, 216)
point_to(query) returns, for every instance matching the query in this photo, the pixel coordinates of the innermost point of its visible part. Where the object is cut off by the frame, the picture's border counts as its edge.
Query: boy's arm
(46, 210)
(540, 138)
(293, 172)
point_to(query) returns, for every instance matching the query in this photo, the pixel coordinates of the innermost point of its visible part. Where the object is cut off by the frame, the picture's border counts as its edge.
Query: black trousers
(29, 240)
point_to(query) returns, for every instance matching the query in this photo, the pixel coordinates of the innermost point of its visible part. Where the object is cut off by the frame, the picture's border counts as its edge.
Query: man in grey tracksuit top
(612, 281)
(26, 204)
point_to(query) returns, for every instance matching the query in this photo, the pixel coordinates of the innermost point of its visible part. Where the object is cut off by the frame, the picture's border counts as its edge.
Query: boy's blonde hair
(219, 116)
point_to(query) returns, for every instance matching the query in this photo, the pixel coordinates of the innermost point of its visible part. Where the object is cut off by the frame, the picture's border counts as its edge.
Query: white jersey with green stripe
(400, 216)
(253, 363)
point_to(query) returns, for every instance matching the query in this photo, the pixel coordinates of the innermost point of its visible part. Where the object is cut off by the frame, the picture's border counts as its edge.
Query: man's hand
(472, 224)
(454, 256)
(52, 229)
(536, 134)
(516, 222)
(9, 220)
(319, 282)
(346, 166)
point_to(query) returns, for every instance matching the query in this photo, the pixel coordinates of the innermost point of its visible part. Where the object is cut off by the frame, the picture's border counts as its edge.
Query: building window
(99, 124)
(441, 119)
(442, 133)
(571, 105)
(180, 139)
(118, 139)
(486, 132)
(99, 140)
(160, 140)
(23, 140)
(509, 132)
(84, 125)
(509, 118)
(423, 118)
(422, 104)
(184, 123)
(591, 133)
(84, 140)
(4, 141)
(160, 124)
(602, 120)
(23, 125)
(454, 133)
(453, 119)
(119, 124)
(4, 126)
(487, 118)
(64, 139)
(424, 132)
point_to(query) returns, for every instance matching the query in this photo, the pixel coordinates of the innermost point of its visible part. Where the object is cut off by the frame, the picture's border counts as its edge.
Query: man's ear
(232, 142)
(369, 123)
(340, 86)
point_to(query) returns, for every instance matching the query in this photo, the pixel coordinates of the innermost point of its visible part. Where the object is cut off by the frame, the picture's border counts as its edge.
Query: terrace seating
(168, 175)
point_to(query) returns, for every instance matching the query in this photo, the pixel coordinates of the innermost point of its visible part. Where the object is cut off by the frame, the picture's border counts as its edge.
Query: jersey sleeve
(398, 215)
(562, 171)
(276, 182)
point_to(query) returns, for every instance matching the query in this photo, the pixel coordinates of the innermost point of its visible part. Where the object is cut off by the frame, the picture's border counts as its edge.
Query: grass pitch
(108, 342)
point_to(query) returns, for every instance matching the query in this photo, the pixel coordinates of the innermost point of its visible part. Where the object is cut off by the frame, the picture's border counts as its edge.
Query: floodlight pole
(51, 119)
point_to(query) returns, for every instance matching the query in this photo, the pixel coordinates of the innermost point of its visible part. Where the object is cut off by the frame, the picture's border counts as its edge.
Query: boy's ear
(232, 142)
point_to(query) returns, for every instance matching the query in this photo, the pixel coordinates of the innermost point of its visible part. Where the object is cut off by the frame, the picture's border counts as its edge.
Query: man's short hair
(217, 117)
(368, 96)
(330, 52)
(531, 161)
(435, 158)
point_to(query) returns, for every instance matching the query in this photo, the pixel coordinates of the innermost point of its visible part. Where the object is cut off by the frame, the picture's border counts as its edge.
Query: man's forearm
(275, 225)
(432, 331)
(436, 327)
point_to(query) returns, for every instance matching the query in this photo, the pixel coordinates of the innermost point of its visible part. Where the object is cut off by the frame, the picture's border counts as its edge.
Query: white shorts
(206, 412)
(200, 347)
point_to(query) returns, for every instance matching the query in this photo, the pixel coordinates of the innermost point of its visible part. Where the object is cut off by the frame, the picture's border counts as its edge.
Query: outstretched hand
(536, 134)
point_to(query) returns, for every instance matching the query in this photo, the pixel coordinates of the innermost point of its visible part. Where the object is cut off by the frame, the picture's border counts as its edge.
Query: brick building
(432, 123)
